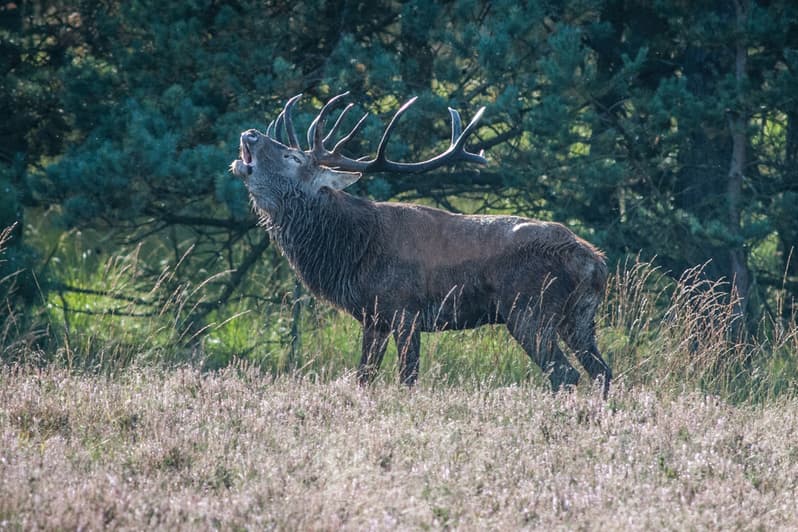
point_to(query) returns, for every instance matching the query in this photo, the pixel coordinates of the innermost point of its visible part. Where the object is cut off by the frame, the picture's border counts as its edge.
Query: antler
(284, 121)
(380, 163)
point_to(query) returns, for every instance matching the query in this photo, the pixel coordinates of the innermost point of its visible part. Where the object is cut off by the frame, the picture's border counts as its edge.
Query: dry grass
(685, 334)
(101, 426)
(237, 449)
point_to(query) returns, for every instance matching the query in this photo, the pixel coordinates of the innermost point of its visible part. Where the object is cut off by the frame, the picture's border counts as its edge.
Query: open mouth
(246, 156)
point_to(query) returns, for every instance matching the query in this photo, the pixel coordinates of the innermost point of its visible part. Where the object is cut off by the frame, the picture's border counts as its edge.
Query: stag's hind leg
(578, 326)
(596, 367)
(539, 340)
(579, 332)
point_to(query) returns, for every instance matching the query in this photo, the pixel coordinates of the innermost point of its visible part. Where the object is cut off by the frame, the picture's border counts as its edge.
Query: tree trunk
(740, 276)
(786, 223)
(294, 360)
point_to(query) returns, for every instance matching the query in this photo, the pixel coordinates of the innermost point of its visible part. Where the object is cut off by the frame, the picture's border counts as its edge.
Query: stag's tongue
(245, 155)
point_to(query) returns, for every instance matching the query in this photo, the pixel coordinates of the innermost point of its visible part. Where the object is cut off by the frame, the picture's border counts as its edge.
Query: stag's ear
(335, 179)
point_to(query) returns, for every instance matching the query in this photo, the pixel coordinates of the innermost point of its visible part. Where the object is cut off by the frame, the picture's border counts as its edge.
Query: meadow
(237, 449)
(123, 424)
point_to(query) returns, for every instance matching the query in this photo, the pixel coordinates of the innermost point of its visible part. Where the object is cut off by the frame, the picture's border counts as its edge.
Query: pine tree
(665, 127)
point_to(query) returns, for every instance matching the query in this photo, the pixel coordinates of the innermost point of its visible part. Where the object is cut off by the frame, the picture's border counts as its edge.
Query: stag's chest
(327, 264)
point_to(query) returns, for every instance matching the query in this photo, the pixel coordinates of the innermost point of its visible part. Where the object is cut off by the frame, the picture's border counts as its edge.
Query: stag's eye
(293, 157)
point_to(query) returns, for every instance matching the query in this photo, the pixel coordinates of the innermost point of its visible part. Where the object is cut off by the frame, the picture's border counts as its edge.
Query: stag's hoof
(563, 378)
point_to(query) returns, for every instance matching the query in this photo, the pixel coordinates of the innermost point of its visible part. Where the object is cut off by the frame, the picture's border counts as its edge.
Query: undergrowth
(675, 334)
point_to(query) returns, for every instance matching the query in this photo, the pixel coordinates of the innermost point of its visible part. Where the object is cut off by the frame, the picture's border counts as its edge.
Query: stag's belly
(465, 294)
(449, 297)
(459, 296)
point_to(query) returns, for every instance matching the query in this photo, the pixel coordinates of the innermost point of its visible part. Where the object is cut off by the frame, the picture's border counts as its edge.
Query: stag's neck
(326, 237)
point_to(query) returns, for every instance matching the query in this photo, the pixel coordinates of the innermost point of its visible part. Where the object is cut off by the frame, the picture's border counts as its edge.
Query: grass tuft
(673, 334)
(241, 448)
(687, 334)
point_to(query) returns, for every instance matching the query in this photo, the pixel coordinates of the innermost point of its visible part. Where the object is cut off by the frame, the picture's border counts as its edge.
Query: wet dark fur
(402, 269)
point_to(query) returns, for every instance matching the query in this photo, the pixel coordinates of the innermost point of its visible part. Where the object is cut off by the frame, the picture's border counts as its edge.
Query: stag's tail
(599, 273)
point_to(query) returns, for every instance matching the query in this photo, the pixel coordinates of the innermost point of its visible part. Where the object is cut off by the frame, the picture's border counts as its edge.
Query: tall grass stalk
(674, 334)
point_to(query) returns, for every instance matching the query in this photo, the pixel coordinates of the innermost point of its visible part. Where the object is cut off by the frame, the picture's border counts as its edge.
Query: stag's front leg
(408, 348)
(375, 340)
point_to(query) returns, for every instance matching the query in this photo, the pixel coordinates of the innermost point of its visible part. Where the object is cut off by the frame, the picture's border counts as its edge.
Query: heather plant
(240, 448)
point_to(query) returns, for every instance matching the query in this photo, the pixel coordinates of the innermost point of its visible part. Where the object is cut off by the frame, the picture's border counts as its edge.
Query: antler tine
(279, 126)
(457, 124)
(459, 144)
(391, 125)
(270, 130)
(289, 122)
(351, 134)
(312, 133)
(316, 129)
(470, 127)
(337, 124)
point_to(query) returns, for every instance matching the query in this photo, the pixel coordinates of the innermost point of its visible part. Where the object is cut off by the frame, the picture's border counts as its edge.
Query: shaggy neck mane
(325, 238)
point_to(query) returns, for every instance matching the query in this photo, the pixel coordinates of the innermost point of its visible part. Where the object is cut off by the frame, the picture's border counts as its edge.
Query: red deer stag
(402, 269)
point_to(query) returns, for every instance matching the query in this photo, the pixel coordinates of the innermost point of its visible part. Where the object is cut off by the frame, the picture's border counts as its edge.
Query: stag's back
(438, 238)
(486, 262)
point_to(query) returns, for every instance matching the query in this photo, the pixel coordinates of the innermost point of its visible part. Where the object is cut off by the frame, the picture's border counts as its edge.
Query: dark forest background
(666, 130)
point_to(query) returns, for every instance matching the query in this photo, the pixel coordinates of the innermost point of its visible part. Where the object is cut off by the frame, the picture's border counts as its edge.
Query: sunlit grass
(677, 334)
(114, 421)
(241, 448)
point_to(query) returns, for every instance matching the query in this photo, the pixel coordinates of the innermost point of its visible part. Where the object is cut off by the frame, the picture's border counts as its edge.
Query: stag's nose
(250, 135)
(248, 140)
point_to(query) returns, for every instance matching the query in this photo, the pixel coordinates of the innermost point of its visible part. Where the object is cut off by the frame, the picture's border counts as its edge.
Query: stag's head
(264, 159)
(273, 162)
